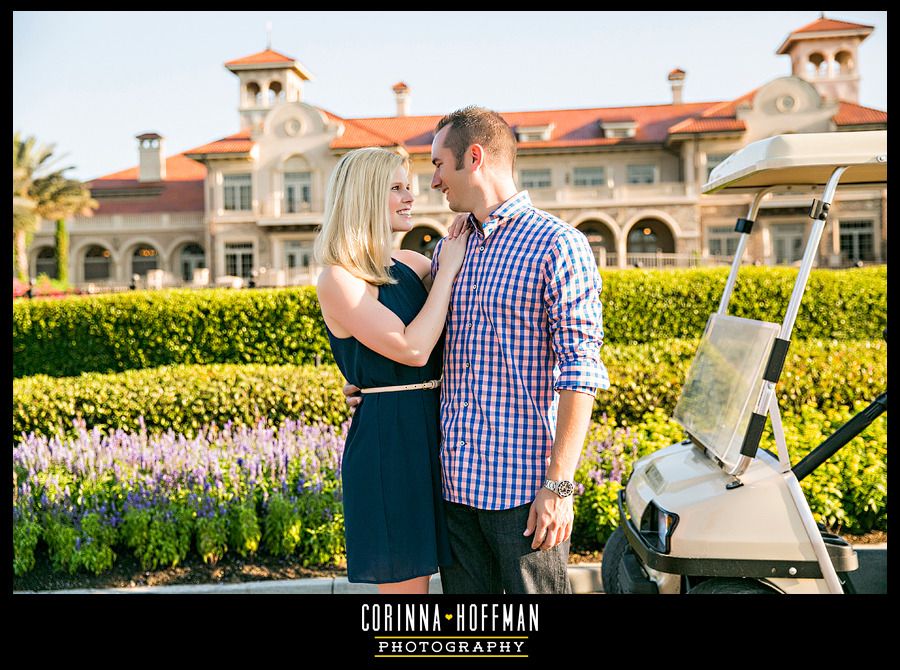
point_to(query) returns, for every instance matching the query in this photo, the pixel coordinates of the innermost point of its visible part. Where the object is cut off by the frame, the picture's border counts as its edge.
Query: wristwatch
(563, 488)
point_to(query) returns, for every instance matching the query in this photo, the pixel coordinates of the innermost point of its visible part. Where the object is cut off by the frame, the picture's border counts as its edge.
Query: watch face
(565, 488)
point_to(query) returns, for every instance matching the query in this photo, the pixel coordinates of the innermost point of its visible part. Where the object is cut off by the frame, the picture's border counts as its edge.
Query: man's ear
(475, 157)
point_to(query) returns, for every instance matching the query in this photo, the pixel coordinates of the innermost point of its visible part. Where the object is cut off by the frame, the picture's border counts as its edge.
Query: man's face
(454, 184)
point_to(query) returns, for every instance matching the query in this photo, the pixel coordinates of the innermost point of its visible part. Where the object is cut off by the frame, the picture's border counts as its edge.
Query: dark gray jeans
(492, 556)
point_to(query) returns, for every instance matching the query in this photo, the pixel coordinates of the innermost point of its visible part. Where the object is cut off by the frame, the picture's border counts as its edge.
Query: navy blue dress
(391, 471)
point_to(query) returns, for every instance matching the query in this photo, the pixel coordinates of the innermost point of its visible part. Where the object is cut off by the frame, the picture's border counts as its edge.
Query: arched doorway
(45, 263)
(422, 239)
(601, 239)
(143, 259)
(191, 258)
(650, 236)
(97, 263)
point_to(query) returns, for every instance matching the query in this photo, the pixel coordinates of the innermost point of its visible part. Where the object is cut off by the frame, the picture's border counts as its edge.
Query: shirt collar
(504, 212)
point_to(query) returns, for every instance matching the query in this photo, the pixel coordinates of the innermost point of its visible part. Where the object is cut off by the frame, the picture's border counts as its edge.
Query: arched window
(46, 263)
(276, 93)
(650, 236)
(816, 66)
(143, 259)
(600, 238)
(97, 263)
(192, 257)
(843, 62)
(253, 93)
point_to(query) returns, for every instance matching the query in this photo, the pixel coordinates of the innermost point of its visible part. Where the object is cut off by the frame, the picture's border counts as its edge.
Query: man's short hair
(478, 125)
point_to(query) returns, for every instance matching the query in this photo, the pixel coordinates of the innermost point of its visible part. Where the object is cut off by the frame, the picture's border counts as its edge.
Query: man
(521, 368)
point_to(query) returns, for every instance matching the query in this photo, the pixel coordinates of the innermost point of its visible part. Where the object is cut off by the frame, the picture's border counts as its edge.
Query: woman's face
(400, 201)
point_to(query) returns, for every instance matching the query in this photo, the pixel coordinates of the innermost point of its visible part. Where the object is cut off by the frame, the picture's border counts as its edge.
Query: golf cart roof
(803, 160)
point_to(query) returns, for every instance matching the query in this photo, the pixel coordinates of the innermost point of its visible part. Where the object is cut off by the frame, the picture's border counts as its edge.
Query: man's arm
(575, 319)
(551, 517)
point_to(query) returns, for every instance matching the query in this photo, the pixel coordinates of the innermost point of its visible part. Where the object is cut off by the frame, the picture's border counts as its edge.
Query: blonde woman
(385, 321)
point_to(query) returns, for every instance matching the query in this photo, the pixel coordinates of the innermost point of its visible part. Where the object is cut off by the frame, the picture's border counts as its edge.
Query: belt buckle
(430, 384)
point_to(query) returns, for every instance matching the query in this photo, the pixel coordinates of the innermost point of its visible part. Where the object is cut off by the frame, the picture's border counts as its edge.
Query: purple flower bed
(237, 489)
(159, 496)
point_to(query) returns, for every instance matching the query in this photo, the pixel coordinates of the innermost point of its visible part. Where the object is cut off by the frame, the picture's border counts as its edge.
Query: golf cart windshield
(729, 389)
(723, 383)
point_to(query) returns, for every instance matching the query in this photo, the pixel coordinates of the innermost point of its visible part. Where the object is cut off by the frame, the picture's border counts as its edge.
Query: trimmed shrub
(820, 373)
(181, 398)
(112, 333)
(823, 374)
(128, 331)
(646, 305)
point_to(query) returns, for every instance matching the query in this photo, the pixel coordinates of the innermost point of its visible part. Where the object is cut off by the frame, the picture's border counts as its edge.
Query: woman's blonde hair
(356, 229)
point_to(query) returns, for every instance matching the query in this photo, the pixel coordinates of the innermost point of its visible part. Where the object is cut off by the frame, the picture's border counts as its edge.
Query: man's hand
(352, 395)
(550, 519)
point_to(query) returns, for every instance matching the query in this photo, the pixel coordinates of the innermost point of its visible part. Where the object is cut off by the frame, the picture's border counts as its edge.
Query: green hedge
(129, 331)
(646, 305)
(182, 398)
(820, 373)
(145, 329)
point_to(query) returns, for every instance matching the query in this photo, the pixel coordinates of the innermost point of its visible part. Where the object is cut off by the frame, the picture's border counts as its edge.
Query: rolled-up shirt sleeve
(572, 287)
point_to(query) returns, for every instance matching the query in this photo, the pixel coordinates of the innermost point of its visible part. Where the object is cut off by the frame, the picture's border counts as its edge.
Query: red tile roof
(828, 25)
(267, 56)
(239, 143)
(850, 114)
(571, 127)
(823, 25)
(707, 126)
(178, 168)
(181, 191)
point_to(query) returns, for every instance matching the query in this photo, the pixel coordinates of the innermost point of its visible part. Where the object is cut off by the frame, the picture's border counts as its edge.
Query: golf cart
(715, 513)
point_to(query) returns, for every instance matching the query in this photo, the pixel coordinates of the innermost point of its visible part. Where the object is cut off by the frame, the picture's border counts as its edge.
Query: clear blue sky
(88, 82)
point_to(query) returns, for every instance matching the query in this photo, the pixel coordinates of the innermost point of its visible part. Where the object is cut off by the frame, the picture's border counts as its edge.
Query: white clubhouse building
(248, 205)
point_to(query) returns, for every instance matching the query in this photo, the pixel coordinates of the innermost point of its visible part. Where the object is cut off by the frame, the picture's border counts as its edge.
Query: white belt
(432, 384)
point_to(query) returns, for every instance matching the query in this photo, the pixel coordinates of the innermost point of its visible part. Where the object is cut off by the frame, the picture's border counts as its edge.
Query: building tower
(825, 53)
(266, 79)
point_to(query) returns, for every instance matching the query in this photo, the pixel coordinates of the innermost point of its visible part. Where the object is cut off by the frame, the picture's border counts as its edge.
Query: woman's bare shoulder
(418, 262)
(337, 278)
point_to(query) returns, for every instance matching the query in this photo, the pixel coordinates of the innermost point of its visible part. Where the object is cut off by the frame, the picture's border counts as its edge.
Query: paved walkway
(584, 577)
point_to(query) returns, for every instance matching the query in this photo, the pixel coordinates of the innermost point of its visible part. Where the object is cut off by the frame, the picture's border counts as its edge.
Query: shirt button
(465, 404)
(469, 325)
(474, 286)
(462, 443)
(481, 248)
(467, 365)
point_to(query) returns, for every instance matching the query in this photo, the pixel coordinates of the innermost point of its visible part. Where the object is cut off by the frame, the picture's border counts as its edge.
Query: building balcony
(659, 261)
(625, 193)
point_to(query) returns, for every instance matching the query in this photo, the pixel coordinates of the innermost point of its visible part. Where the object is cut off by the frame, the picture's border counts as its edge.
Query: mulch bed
(127, 571)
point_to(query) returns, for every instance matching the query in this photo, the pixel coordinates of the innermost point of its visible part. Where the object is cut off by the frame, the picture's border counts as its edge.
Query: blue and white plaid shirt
(525, 322)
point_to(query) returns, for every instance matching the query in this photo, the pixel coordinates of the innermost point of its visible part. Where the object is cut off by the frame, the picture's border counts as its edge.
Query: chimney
(676, 78)
(152, 158)
(401, 91)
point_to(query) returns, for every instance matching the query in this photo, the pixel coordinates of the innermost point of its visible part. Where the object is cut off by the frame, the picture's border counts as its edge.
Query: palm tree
(57, 199)
(37, 196)
(28, 159)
